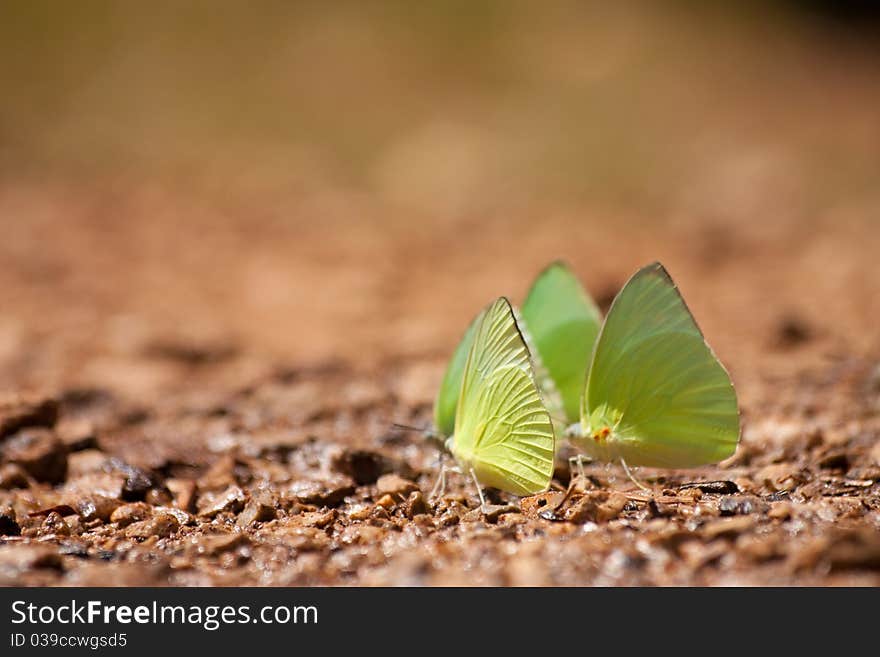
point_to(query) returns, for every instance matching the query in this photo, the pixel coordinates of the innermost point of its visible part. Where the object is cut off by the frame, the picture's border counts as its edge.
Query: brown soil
(211, 314)
(164, 428)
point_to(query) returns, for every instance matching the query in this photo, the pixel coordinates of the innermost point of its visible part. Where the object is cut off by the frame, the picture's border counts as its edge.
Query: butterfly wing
(656, 394)
(563, 322)
(549, 393)
(502, 429)
(447, 396)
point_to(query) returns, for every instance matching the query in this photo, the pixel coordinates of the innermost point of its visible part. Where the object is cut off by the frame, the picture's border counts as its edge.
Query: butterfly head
(594, 437)
(572, 431)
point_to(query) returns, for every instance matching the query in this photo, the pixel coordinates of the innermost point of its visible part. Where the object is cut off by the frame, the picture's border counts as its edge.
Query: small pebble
(129, 513)
(232, 500)
(727, 527)
(160, 526)
(322, 492)
(20, 411)
(214, 545)
(416, 505)
(366, 466)
(12, 476)
(740, 505)
(183, 518)
(318, 519)
(39, 453)
(780, 511)
(54, 524)
(159, 496)
(8, 524)
(393, 484)
(386, 502)
(23, 557)
(359, 511)
(184, 492)
(255, 511)
(96, 507)
(492, 512)
(598, 506)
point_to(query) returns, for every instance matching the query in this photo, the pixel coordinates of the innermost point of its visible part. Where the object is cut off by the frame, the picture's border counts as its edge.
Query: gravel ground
(137, 450)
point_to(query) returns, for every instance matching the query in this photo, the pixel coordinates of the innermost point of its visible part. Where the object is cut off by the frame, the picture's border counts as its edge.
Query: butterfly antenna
(407, 427)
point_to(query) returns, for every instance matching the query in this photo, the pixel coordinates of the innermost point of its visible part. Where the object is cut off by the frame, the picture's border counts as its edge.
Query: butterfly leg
(578, 462)
(632, 477)
(479, 491)
(439, 489)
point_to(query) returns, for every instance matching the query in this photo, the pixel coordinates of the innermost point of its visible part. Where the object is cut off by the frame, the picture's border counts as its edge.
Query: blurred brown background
(303, 183)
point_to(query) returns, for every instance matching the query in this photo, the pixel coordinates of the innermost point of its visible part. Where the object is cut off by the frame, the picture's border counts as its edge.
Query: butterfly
(559, 322)
(446, 402)
(502, 433)
(563, 322)
(656, 395)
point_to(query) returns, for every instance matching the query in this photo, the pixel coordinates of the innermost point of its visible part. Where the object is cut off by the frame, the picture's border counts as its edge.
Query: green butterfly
(563, 320)
(656, 394)
(501, 432)
(559, 324)
(446, 402)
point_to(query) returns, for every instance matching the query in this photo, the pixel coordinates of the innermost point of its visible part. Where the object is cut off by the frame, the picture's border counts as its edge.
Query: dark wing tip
(513, 316)
(504, 300)
(656, 268)
(508, 306)
(499, 301)
(557, 265)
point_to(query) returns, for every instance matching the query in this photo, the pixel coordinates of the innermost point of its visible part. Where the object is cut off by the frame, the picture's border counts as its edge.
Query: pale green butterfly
(656, 395)
(503, 434)
(559, 324)
(563, 320)
(446, 401)
(447, 397)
